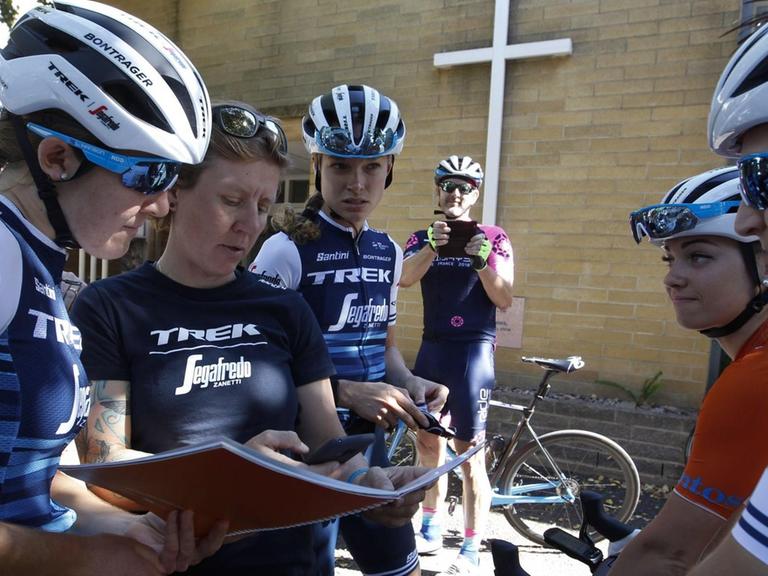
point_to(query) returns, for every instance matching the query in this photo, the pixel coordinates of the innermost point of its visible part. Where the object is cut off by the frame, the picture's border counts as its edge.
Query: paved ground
(538, 561)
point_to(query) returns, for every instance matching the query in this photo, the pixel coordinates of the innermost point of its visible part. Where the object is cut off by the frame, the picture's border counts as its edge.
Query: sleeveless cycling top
(727, 457)
(351, 285)
(44, 393)
(456, 306)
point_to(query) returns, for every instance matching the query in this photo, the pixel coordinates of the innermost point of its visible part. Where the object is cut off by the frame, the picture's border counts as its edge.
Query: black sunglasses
(753, 177)
(449, 187)
(243, 123)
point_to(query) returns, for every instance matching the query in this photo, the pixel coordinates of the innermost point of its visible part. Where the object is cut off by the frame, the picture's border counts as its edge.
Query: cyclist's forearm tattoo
(107, 430)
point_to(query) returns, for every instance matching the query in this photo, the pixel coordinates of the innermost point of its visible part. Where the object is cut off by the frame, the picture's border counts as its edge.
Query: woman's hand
(174, 539)
(275, 443)
(399, 512)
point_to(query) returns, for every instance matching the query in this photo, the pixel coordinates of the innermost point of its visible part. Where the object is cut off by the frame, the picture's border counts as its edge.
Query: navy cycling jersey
(44, 393)
(350, 282)
(456, 306)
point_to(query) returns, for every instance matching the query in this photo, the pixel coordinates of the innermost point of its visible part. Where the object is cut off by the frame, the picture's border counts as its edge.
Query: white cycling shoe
(462, 566)
(427, 546)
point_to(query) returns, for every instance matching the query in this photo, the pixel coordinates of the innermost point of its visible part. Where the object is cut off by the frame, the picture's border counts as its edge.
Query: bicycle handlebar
(596, 517)
(506, 559)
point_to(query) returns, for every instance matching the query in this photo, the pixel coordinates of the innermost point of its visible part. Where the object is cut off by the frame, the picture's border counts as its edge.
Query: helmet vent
(130, 97)
(757, 77)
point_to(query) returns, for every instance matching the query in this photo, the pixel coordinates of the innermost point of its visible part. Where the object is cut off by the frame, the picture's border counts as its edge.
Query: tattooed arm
(108, 437)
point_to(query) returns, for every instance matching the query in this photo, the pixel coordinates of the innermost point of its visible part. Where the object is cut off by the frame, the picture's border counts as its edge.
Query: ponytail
(300, 228)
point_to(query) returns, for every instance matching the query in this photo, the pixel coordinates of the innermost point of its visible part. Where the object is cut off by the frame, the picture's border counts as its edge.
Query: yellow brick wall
(586, 139)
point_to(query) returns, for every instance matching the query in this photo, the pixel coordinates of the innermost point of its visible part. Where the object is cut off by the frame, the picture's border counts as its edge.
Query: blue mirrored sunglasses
(243, 123)
(143, 174)
(338, 142)
(753, 177)
(664, 220)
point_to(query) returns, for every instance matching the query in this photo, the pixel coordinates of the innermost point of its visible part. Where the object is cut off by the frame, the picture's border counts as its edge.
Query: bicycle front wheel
(583, 461)
(405, 452)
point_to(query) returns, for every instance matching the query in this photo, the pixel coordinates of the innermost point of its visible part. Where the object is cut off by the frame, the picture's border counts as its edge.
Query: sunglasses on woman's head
(243, 123)
(664, 220)
(143, 174)
(449, 187)
(753, 177)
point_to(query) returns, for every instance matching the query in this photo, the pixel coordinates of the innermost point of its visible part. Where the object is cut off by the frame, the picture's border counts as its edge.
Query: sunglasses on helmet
(338, 142)
(449, 187)
(664, 220)
(753, 177)
(145, 175)
(243, 123)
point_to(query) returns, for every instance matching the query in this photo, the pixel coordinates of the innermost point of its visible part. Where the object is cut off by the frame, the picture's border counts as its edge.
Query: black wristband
(335, 388)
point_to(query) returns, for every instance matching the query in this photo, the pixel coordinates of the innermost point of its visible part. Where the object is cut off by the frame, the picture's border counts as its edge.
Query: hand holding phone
(461, 233)
(339, 449)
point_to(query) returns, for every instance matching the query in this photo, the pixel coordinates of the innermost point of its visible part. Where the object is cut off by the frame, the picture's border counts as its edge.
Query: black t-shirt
(206, 362)
(201, 362)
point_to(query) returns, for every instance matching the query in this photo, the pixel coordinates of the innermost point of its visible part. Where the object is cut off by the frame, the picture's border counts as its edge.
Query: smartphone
(340, 449)
(461, 233)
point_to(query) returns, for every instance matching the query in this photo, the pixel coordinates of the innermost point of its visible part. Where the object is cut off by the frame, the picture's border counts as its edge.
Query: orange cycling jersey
(729, 454)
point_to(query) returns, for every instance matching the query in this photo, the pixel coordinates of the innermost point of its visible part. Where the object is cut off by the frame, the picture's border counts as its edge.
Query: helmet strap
(755, 305)
(45, 189)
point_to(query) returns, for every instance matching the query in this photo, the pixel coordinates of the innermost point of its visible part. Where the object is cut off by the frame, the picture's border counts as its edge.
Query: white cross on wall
(497, 55)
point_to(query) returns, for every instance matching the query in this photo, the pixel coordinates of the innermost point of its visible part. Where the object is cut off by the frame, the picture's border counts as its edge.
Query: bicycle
(538, 485)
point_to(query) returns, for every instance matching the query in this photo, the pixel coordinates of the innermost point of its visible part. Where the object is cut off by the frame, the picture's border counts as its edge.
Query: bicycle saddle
(570, 364)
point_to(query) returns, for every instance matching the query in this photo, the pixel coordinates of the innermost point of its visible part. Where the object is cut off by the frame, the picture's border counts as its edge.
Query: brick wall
(655, 440)
(586, 139)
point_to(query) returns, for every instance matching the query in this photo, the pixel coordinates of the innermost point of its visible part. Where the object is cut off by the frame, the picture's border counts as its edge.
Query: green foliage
(8, 12)
(649, 388)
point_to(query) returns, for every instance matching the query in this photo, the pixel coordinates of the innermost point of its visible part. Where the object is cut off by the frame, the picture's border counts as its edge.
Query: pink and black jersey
(456, 307)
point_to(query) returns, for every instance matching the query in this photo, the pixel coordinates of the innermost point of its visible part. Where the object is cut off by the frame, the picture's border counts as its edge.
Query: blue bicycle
(537, 484)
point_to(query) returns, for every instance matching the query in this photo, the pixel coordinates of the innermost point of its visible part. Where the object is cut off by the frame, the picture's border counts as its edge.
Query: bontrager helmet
(353, 122)
(121, 79)
(703, 205)
(739, 101)
(460, 167)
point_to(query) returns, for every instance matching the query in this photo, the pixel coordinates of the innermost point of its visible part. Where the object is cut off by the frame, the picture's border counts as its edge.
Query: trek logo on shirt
(355, 275)
(710, 493)
(218, 334)
(63, 330)
(357, 315)
(217, 375)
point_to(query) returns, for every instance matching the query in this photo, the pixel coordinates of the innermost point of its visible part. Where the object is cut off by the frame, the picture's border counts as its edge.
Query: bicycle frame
(516, 495)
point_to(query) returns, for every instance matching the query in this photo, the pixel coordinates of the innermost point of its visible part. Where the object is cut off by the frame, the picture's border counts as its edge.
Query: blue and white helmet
(120, 78)
(353, 122)
(739, 101)
(462, 167)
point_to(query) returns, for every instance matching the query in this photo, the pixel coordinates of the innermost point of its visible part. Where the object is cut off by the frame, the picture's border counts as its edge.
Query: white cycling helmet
(740, 101)
(711, 187)
(695, 207)
(353, 122)
(120, 78)
(460, 167)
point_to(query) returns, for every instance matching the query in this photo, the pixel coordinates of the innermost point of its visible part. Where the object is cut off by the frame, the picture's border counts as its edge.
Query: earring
(765, 282)
(64, 176)
(172, 205)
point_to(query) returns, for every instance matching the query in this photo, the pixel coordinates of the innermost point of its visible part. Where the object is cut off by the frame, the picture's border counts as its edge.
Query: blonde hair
(264, 145)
